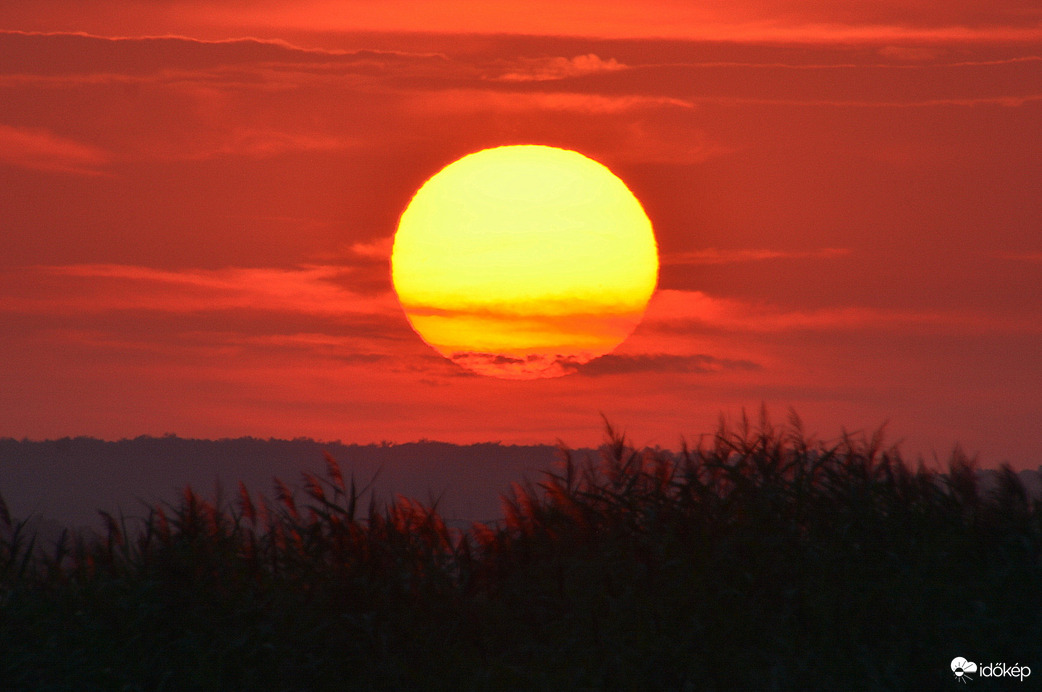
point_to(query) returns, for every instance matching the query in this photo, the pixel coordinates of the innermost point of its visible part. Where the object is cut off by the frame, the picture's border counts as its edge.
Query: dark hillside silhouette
(67, 481)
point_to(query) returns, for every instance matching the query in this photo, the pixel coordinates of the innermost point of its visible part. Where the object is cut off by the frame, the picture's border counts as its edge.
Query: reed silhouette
(760, 558)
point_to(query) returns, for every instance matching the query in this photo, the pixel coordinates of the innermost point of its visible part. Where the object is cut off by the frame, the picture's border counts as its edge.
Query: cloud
(719, 20)
(1005, 101)
(618, 364)
(535, 366)
(257, 143)
(910, 53)
(1032, 257)
(716, 20)
(715, 256)
(99, 288)
(78, 53)
(379, 249)
(672, 311)
(40, 149)
(474, 100)
(352, 349)
(546, 69)
(180, 99)
(662, 143)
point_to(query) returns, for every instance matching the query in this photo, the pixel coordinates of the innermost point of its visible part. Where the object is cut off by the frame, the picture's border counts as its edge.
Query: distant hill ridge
(66, 481)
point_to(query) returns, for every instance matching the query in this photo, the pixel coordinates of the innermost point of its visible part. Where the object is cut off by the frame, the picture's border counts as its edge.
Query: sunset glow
(487, 344)
(199, 202)
(524, 261)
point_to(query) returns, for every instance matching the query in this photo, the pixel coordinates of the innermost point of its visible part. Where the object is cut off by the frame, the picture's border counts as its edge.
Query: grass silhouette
(759, 559)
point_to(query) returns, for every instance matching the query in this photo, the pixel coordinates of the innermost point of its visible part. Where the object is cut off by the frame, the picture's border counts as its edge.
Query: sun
(524, 261)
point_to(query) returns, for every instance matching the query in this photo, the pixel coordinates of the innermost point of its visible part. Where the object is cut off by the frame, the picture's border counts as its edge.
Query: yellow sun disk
(524, 233)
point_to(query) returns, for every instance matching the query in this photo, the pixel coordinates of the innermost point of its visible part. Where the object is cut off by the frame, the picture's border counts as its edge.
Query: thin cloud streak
(470, 100)
(625, 364)
(256, 143)
(82, 53)
(1005, 101)
(376, 249)
(40, 149)
(673, 311)
(99, 288)
(716, 256)
(1032, 257)
(756, 21)
(550, 69)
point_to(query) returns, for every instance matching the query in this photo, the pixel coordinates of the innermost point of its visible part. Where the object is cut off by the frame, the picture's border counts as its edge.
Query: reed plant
(758, 558)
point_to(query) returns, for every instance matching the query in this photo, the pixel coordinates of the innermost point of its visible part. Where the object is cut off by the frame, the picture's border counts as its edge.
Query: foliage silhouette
(758, 559)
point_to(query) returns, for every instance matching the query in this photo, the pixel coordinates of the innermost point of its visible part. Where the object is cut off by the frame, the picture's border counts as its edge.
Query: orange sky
(197, 202)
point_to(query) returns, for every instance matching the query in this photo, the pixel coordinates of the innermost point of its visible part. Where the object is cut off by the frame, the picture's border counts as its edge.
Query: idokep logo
(962, 669)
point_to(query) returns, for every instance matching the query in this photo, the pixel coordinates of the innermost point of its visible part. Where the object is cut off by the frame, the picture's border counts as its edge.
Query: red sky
(197, 202)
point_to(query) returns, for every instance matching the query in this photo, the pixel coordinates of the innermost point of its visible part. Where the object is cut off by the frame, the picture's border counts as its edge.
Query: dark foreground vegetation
(759, 560)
